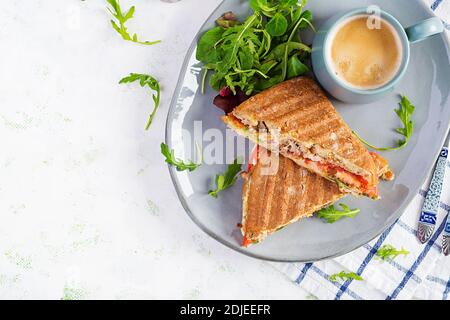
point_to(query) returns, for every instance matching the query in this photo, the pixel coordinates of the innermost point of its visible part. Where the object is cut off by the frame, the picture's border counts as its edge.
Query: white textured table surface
(87, 208)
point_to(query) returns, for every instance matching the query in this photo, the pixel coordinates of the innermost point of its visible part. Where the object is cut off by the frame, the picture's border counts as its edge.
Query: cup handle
(424, 29)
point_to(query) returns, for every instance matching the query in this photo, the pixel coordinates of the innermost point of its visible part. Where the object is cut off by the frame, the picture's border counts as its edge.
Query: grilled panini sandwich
(270, 202)
(296, 119)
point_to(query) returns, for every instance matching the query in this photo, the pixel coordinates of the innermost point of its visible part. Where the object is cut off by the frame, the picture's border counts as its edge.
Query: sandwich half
(272, 201)
(296, 119)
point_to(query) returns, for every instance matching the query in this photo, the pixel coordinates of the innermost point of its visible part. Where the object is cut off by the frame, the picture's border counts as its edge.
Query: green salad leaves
(277, 26)
(228, 178)
(345, 276)
(180, 165)
(404, 112)
(259, 52)
(388, 251)
(152, 83)
(331, 214)
(121, 18)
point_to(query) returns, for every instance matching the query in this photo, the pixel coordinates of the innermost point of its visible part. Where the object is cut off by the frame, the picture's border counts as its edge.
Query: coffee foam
(379, 59)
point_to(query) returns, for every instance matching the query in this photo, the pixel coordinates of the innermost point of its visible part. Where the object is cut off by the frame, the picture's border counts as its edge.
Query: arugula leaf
(290, 2)
(291, 47)
(121, 18)
(246, 59)
(404, 112)
(227, 179)
(262, 5)
(331, 214)
(390, 252)
(152, 83)
(277, 26)
(241, 35)
(206, 50)
(304, 20)
(270, 7)
(295, 67)
(345, 276)
(177, 163)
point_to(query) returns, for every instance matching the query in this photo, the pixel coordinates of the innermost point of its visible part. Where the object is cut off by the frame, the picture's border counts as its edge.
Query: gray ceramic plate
(427, 84)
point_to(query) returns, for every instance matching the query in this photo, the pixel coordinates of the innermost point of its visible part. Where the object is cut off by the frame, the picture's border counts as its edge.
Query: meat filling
(317, 164)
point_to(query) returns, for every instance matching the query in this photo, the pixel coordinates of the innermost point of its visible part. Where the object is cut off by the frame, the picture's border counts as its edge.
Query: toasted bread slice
(384, 171)
(296, 119)
(272, 201)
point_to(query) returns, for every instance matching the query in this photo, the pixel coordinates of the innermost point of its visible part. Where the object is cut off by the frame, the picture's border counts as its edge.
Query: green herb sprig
(121, 18)
(152, 83)
(345, 276)
(331, 214)
(404, 112)
(228, 178)
(180, 165)
(259, 52)
(388, 251)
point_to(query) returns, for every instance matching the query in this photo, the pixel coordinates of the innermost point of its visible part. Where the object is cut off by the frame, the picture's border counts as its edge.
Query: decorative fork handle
(427, 221)
(446, 237)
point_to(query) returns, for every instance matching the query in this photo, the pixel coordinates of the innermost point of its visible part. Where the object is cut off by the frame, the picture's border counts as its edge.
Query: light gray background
(87, 208)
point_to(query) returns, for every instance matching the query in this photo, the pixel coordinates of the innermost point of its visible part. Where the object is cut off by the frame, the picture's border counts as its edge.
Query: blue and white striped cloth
(423, 274)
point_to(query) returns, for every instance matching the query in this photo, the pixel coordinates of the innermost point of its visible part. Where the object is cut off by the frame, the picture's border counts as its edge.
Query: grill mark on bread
(317, 184)
(354, 154)
(230, 120)
(262, 195)
(302, 116)
(244, 201)
(348, 152)
(315, 128)
(269, 192)
(290, 171)
(319, 191)
(328, 143)
(288, 104)
(255, 202)
(280, 194)
(289, 95)
(288, 207)
(257, 104)
(294, 119)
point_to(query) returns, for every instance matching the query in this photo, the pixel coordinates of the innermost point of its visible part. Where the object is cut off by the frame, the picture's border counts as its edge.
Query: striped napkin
(423, 274)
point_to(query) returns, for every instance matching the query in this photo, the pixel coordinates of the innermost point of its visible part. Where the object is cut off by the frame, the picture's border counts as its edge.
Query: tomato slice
(246, 242)
(330, 168)
(253, 158)
(326, 167)
(360, 179)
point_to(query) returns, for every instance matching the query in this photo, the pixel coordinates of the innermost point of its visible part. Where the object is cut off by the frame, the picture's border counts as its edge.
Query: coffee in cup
(365, 53)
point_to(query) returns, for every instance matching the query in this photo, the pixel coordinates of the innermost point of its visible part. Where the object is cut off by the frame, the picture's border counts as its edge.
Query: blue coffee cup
(342, 90)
